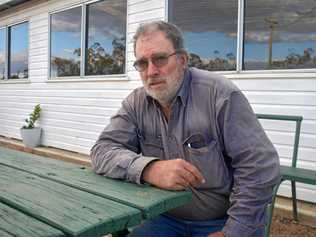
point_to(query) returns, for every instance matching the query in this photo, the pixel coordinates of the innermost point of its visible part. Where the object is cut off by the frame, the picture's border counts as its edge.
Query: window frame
(247, 74)
(83, 44)
(5, 28)
(7, 50)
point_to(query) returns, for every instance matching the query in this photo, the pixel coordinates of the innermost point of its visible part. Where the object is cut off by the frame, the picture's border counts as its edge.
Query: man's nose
(152, 70)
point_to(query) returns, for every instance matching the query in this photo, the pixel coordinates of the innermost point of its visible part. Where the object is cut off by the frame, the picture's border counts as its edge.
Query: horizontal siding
(74, 113)
(304, 192)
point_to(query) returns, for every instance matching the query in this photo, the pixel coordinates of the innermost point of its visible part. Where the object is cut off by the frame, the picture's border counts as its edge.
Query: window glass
(210, 31)
(2, 54)
(106, 26)
(66, 43)
(18, 53)
(280, 34)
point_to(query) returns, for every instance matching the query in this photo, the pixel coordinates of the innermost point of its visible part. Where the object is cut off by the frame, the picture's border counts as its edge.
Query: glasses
(158, 59)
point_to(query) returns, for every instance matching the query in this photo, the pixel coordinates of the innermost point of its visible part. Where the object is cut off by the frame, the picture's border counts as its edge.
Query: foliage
(98, 61)
(217, 64)
(66, 67)
(33, 117)
(228, 62)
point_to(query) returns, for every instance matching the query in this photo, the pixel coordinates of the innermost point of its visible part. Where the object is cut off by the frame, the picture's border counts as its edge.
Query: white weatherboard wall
(76, 111)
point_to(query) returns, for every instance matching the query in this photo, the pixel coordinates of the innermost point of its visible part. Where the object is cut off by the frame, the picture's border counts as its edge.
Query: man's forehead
(152, 35)
(156, 41)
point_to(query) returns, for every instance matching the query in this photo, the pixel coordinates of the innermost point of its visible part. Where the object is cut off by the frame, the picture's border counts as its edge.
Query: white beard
(172, 86)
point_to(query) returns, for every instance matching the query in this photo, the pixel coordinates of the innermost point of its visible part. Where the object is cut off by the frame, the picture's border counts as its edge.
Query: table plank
(70, 210)
(151, 201)
(17, 224)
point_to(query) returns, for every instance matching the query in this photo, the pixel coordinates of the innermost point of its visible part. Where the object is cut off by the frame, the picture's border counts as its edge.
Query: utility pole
(272, 24)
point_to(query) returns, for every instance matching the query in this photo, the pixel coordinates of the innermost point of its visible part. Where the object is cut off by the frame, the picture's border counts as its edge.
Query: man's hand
(174, 174)
(217, 234)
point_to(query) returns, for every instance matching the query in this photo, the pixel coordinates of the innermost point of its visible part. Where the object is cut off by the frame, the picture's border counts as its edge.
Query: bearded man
(189, 129)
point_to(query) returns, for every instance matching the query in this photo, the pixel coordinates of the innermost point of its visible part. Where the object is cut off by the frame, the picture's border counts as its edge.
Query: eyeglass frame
(167, 56)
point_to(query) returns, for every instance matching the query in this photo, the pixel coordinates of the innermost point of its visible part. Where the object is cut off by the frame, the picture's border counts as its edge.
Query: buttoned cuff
(234, 228)
(136, 169)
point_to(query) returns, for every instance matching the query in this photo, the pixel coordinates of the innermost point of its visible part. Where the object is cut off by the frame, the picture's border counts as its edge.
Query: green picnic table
(45, 197)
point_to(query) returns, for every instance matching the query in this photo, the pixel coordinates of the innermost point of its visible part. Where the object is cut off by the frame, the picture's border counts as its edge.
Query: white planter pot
(31, 136)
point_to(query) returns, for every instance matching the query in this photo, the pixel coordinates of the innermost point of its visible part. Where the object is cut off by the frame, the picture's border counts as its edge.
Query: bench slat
(298, 174)
(27, 226)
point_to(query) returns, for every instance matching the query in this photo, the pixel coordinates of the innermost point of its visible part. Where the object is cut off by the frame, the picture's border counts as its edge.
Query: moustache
(156, 79)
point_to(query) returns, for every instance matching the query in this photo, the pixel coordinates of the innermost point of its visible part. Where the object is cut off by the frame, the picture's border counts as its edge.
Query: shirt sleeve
(116, 153)
(254, 164)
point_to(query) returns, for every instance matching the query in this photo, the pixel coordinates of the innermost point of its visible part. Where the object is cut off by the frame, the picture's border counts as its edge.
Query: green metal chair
(291, 173)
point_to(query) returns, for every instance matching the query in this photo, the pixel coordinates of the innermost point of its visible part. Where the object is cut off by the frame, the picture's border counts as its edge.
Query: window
(18, 53)
(66, 43)
(275, 34)
(98, 40)
(106, 21)
(209, 30)
(2, 54)
(280, 34)
(14, 51)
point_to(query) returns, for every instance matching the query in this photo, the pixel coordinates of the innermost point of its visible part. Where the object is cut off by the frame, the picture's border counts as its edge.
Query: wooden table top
(55, 198)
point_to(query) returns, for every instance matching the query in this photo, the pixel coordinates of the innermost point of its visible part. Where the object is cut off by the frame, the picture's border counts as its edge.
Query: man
(189, 129)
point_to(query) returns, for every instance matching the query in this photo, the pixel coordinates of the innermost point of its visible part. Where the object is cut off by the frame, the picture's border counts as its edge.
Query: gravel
(284, 227)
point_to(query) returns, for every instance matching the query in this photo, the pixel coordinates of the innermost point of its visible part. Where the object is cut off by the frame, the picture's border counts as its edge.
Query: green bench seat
(298, 174)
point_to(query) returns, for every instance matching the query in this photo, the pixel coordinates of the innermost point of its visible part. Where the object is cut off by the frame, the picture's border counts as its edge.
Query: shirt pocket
(204, 155)
(151, 145)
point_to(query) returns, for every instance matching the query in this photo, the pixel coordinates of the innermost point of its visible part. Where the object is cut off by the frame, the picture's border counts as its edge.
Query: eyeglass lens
(159, 60)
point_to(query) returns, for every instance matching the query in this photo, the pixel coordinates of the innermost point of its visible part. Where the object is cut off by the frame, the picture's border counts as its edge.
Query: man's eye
(142, 63)
(159, 59)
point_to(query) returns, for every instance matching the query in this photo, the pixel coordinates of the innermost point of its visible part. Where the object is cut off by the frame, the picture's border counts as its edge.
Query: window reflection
(210, 31)
(280, 34)
(66, 43)
(18, 53)
(106, 23)
(2, 54)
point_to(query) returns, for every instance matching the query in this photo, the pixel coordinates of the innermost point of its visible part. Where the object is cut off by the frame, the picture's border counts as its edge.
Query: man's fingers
(194, 171)
(188, 178)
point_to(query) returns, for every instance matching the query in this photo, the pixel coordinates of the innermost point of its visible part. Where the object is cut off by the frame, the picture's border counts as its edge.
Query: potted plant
(31, 135)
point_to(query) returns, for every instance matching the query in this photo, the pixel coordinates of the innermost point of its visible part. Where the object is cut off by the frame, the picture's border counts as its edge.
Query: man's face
(160, 82)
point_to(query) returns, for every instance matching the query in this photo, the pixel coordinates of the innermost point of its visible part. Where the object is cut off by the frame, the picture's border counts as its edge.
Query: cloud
(1, 58)
(20, 57)
(263, 37)
(295, 16)
(69, 51)
(107, 19)
(67, 21)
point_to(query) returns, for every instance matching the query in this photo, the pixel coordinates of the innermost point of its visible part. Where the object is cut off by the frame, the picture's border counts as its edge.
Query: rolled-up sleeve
(116, 154)
(255, 166)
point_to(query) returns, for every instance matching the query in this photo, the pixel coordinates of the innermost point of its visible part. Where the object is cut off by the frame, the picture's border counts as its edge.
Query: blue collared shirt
(211, 126)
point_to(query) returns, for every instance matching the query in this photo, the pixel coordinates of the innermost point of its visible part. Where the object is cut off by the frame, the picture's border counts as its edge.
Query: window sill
(273, 74)
(15, 81)
(102, 78)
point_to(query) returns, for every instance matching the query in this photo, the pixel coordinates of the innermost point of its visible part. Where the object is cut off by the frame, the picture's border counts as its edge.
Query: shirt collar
(184, 89)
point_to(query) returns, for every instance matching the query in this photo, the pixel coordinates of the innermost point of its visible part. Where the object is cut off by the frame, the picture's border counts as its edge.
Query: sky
(214, 26)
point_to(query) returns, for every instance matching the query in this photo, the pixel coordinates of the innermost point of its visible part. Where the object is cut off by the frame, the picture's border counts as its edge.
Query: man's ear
(184, 58)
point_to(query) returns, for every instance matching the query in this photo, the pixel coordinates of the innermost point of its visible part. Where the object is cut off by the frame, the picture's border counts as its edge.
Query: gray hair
(171, 31)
